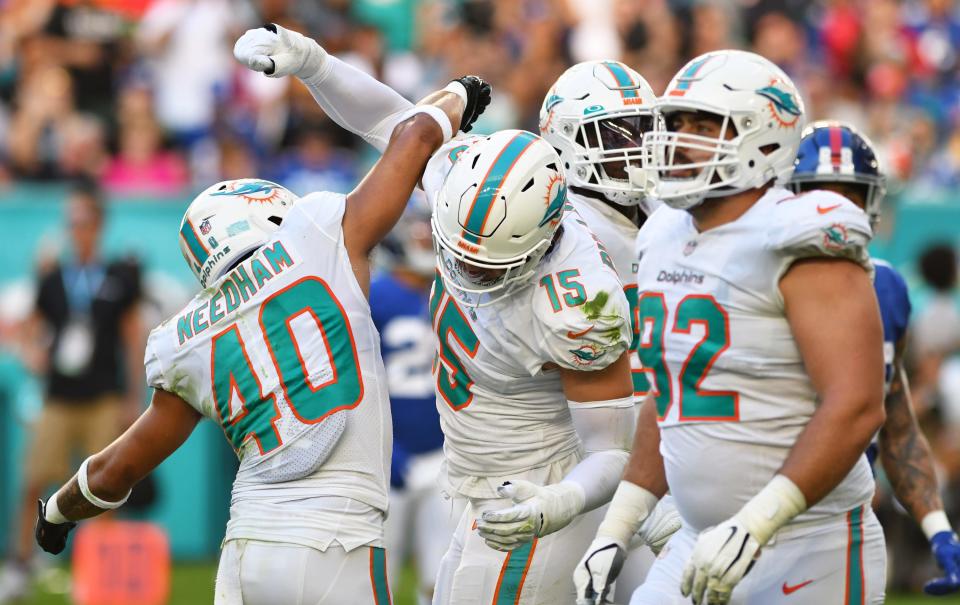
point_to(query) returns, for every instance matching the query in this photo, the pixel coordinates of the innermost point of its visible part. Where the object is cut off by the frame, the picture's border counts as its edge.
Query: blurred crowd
(144, 97)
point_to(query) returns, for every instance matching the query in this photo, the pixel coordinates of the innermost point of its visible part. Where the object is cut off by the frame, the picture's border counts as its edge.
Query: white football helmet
(755, 101)
(595, 116)
(228, 220)
(496, 215)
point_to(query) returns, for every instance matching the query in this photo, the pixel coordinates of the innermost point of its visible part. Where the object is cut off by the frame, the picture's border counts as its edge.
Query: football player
(836, 157)
(420, 522)
(762, 340)
(279, 348)
(533, 379)
(595, 116)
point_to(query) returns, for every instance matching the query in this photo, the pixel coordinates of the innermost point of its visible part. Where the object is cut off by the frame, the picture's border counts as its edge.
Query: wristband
(438, 115)
(458, 89)
(776, 504)
(935, 522)
(51, 512)
(91, 498)
(630, 507)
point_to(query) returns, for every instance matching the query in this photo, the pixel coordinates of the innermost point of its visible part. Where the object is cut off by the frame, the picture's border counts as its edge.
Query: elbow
(110, 479)
(869, 418)
(419, 130)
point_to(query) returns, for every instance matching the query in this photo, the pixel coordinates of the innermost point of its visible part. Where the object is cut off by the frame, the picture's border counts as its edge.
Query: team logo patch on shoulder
(588, 354)
(835, 237)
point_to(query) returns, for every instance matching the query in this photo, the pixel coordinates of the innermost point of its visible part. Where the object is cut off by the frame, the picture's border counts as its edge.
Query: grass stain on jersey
(594, 311)
(593, 308)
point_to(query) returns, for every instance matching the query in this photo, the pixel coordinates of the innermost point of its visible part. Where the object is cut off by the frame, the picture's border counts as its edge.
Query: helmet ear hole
(768, 149)
(276, 220)
(527, 186)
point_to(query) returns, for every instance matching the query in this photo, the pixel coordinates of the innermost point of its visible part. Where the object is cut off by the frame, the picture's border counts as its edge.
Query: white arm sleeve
(357, 102)
(606, 429)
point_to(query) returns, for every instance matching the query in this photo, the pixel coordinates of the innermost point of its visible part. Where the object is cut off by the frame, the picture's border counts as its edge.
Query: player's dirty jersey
(731, 390)
(503, 413)
(283, 354)
(619, 236)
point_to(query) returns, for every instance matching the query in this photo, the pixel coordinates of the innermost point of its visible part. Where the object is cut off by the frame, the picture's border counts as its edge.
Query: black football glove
(478, 97)
(52, 537)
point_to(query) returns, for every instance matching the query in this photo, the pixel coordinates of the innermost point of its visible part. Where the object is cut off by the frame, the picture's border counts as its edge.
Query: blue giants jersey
(402, 317)
(895, 313)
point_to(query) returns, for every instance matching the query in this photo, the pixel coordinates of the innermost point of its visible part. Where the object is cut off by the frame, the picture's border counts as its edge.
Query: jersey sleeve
(156, 378)
(894, 299)
(581, 322)
(442, 161)
(320, 212)
(820, 224)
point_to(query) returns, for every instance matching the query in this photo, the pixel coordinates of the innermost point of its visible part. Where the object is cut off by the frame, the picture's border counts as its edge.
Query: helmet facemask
(608, 149)
(479, 282)
(689, 167)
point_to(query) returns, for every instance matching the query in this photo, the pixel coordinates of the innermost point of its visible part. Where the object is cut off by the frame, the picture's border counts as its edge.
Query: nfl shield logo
(690, 247)
(205, 226)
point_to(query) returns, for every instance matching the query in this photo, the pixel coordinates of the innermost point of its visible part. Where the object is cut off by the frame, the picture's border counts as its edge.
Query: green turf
(193, 585)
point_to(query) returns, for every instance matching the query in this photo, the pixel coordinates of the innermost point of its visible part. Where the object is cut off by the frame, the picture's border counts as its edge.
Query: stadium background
(143, 97)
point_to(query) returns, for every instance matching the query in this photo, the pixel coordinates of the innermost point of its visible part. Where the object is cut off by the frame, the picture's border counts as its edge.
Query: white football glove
(720, 558)
(279, 52)
(659, 527)
(597, 571)
(537, 511)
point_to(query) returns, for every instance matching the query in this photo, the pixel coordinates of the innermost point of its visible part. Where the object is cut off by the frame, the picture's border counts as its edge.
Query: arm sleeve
(356, 101)
(606, 429)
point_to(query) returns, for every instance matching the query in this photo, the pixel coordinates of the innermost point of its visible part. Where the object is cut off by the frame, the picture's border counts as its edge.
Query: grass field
(193, 585)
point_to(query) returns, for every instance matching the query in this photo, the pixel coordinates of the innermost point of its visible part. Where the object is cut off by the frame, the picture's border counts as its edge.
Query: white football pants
(538, 573)
(252, 572)
(842, 561)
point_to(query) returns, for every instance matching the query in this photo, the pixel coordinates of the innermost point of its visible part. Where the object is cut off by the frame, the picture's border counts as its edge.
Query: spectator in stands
(142, 166)
(315, 163)
(85, 337)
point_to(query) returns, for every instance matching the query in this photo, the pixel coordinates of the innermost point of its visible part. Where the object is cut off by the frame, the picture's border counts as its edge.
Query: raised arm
(374, 207)
(352, 98)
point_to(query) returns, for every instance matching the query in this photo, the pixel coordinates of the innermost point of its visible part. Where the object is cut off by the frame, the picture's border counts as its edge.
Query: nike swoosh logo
(793, 589)
(575, 335)
(823, 210)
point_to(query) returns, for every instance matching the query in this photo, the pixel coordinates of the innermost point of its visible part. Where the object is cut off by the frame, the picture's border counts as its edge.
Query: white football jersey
(501, 403)
(731, 390)
(619, 237)
(283, 354)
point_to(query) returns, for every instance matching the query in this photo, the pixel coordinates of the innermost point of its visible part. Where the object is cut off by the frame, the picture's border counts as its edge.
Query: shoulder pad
(581, 322)
(323, 210)
(654, 222)
(821, 224)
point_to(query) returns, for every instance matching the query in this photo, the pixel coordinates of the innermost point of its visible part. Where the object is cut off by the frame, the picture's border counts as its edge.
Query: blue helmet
(835, 152)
